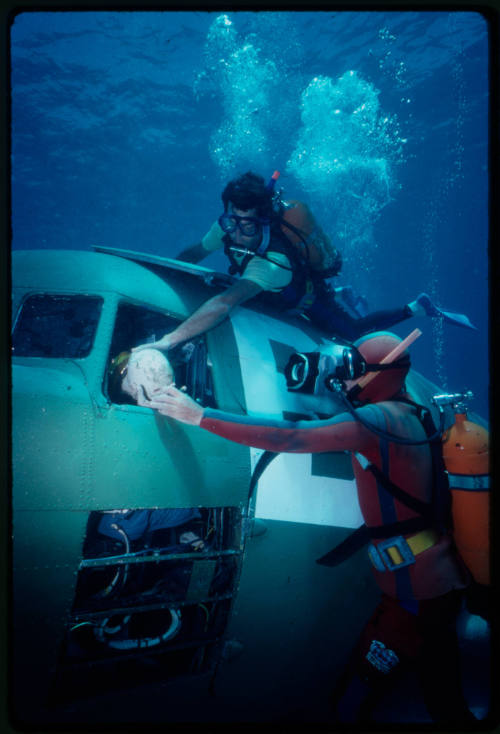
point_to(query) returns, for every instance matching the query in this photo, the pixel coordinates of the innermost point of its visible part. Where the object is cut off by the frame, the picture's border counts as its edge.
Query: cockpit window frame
(191, 359)
(44, 351)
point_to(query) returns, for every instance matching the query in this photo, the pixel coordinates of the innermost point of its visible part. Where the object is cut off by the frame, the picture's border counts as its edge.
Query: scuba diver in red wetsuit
(277, 249)
(415, 563)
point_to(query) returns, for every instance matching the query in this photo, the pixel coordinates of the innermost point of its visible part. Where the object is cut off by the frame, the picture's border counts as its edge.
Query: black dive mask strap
(397, 364)
(400, 363)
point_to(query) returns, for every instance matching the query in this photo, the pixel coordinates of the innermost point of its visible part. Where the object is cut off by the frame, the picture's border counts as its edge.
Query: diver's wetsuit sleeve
(341, 433)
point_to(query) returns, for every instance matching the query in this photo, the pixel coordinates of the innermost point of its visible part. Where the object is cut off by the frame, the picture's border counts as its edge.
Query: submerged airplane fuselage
(139, 562)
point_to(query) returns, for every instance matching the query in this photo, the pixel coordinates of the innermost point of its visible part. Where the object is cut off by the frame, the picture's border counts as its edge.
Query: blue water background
(125, 126)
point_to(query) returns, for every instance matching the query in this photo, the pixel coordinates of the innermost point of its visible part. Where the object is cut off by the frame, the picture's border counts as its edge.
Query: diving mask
(248, 226)
(330, 366)
(310, 372)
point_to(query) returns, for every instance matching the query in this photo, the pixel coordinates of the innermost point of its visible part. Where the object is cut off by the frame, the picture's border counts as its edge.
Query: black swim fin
(450, 317)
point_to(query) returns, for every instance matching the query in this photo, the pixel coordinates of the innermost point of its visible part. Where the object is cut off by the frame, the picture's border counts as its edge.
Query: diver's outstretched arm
(341, 433)
(192, 254)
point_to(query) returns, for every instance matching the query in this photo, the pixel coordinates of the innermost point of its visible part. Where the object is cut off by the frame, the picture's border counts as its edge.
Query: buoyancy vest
(313, 245)
(460, 497)
(302, 281)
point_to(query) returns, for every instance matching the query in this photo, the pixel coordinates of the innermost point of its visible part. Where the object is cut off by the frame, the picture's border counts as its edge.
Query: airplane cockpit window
(56, 326)
(190, 361)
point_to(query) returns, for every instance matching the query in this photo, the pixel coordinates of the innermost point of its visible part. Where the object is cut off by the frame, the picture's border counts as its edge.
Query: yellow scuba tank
(466, 457)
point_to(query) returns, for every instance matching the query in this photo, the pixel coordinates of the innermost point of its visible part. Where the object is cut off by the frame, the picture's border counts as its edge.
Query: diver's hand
(164, 343)
(176, 404)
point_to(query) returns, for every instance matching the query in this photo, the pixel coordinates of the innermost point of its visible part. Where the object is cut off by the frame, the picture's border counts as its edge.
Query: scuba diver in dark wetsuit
(276, 247)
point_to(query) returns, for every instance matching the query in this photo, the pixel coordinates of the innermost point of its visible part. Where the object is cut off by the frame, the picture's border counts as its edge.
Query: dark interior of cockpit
(136, 325)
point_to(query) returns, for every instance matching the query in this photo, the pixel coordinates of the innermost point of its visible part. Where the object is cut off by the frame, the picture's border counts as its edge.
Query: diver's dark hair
(249, 191)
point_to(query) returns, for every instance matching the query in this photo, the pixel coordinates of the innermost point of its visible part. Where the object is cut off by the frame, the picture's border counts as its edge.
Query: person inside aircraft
(415, 563)
(276, 247)
(143, 374)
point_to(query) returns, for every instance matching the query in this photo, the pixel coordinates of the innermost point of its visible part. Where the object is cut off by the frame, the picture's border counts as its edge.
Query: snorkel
(272, 182)
(276, 196)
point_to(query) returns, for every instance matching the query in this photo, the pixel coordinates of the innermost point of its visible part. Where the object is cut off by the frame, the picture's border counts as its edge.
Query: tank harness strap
(364, 534)
(399, 552)
(423, 508)
(435, 514)
(441, 495)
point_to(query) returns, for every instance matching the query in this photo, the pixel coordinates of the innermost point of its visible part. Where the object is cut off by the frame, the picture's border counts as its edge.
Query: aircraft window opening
(174, 606)
(56, 326)
(190, 361)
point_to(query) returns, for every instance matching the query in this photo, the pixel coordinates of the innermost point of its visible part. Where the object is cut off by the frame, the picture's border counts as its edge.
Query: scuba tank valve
(457, 400)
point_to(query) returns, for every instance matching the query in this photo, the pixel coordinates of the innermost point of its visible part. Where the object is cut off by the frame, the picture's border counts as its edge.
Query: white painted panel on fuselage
(287, 490)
